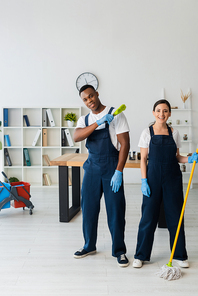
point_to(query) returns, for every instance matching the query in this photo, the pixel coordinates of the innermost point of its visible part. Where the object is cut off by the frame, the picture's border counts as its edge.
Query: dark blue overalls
(165, 181)
(99, 169)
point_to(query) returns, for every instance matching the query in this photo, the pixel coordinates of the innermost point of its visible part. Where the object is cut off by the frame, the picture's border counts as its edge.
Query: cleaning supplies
(168, 272)
(119, 110)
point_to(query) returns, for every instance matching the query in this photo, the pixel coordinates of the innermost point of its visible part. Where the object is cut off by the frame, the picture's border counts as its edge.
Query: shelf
(182, 125)
(181, 109)
(22, 136)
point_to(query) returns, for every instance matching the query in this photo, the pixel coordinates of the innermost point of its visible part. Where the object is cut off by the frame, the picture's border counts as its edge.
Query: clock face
(86, 78)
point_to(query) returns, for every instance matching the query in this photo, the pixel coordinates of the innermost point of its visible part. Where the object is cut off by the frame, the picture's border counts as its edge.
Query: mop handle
(182, 212)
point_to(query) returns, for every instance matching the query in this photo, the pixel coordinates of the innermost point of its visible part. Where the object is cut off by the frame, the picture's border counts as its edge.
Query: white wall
(135, 47)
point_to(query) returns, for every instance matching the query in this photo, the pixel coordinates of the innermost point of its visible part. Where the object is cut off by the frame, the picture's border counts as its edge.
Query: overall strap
(110, 110)
(151, 130)
(169, 131)
(86, 119)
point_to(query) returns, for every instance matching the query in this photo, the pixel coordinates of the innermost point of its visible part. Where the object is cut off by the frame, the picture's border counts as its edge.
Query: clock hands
(91, 81)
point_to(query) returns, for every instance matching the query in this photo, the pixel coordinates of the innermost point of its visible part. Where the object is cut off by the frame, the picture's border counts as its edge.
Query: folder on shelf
(50, 117)
(26, 120)
(5, 116)
(26, 156)
(47, 160)
(7, 157)
(44, 117)
(36, 137)
(7, 140)
(44, 137)
(69, 138)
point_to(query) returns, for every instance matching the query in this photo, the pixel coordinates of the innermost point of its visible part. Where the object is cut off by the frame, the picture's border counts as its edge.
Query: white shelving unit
(183, 114)
(22, 137)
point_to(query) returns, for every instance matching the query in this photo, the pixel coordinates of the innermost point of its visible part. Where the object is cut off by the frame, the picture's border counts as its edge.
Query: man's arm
(123, 139)
(81, 134)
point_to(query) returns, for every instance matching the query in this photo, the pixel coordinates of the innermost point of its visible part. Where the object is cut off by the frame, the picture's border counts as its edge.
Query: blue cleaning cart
(9, 192)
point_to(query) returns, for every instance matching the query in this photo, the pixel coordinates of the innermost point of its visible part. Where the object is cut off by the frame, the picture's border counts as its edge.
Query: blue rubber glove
(116, 181)
(193, 158)
(145, 187)
(107, 118)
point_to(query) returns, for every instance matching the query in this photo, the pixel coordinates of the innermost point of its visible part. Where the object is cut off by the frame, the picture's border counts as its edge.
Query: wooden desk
(76, 161)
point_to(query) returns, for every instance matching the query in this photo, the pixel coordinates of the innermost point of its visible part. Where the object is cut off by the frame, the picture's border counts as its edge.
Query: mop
(167, 271)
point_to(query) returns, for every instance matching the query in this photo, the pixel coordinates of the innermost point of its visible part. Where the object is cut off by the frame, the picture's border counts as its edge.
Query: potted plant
(71, 118)
(186, 121)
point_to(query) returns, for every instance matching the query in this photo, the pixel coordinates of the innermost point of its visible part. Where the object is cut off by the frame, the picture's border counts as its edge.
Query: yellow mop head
(119, 110)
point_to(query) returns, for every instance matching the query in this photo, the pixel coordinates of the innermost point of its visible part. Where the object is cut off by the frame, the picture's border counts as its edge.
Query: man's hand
(116, 181)
(107, 118)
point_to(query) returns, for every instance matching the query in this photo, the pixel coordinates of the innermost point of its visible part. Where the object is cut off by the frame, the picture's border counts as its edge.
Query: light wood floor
(37, 253)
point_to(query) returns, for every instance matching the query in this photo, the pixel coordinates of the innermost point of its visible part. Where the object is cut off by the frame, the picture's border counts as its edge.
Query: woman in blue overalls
(102, 175)
(161, 179)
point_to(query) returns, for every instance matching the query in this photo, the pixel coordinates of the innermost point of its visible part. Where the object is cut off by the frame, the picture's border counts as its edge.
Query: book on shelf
(26, 119)
(36, 137)
(7, 157)
(50, 117)
(5, 117)
(63, 138)
(47, 180)
(69, 138)
(47, 160)
(44, 138)
(7, 140)
(26, 156)
(44, 117)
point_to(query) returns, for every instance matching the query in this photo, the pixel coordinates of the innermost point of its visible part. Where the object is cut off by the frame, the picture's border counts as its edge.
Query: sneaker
(123, 260)
(137, 263)
(82, 253)
(183, 264)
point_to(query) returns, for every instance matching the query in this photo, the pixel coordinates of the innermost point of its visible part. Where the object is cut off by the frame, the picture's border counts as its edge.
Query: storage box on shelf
(23, 124)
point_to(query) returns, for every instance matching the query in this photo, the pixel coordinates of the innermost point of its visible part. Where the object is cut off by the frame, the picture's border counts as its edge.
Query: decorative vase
(183, 168)
(70, 123)
(185, 137)
(184, 105)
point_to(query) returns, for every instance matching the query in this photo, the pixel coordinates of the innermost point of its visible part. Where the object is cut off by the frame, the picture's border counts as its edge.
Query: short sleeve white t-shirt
(117, 126)
(146, 137)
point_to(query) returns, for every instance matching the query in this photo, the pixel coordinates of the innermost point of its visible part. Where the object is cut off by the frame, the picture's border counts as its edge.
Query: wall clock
(87, 78)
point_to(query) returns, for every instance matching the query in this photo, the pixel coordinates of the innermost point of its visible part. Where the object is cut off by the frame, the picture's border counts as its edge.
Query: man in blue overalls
(108, 145)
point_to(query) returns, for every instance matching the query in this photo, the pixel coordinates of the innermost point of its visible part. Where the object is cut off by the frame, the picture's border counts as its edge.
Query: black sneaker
(123, 260)
(82, 253)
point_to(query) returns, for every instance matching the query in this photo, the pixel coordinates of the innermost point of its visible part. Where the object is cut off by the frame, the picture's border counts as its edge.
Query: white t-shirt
(146, 137)
(117, 126)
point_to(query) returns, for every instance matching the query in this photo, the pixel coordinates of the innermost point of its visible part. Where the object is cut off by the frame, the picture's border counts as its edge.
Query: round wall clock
(87, 78)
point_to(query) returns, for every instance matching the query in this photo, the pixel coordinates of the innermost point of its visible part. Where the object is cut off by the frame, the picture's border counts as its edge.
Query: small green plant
(70, 116)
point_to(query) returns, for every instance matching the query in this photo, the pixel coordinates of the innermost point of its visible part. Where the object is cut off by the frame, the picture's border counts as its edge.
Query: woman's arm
(143, 163)
(181, 159)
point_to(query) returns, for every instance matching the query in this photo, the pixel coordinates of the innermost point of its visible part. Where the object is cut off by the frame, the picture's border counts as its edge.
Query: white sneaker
(137, 263)
(183, 264)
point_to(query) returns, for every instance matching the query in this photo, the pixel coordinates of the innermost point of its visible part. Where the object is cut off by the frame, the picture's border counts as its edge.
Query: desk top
(77, 160)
